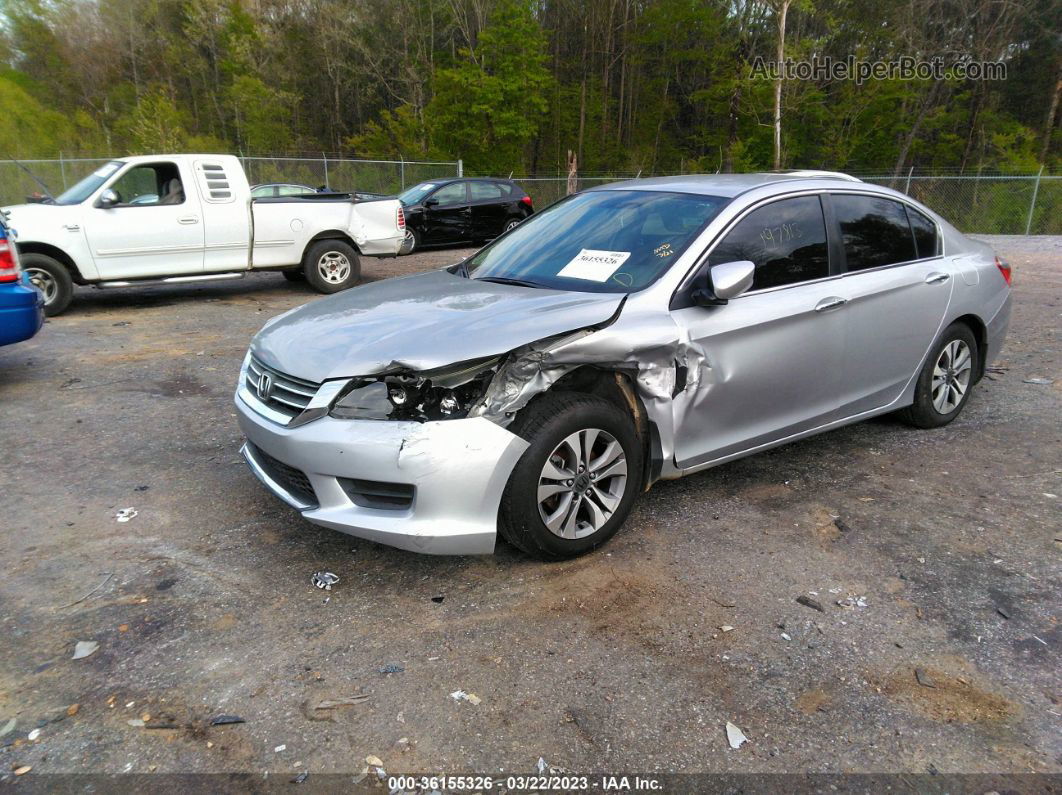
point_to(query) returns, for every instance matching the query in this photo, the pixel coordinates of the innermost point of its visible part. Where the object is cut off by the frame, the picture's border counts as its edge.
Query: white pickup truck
(182, 218)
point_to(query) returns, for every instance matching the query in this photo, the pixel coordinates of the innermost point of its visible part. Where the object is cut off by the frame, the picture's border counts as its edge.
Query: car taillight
(526, 200)
(401, 218)
(1004, 268)
(9, 270)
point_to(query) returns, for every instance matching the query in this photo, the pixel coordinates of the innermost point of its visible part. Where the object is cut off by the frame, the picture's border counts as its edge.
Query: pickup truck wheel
(331, 266)
(52, 279)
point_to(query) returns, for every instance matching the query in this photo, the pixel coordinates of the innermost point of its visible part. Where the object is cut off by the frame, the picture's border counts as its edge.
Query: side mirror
(430, 202)
(731, 279)
(108, 198)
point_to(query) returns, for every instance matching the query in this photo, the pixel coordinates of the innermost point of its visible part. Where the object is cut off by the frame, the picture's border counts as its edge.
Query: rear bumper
(386, 247)
(454, 471)
(21, 311)
(996, 329)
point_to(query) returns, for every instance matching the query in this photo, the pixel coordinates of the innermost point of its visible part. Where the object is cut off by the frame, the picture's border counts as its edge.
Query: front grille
(286, 393)
(292, 479)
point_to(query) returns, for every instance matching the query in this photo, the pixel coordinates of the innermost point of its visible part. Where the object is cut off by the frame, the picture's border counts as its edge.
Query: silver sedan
(637, 331)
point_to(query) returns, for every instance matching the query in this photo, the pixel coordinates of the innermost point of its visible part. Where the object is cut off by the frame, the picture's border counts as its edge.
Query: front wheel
(575, 484)
(53, 280)
(331, 266)
(944, 384)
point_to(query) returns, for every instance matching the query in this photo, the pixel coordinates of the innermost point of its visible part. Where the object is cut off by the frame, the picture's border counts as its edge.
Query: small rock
(1039, 381)
(1003, 612)
(374, 761)
(391, 668)
(924, 679)
(735, 736)
(21, 771)
(305, 774)
(280, 748)
(72, 709)
(85, 648)
(807, 601)
(33, 735)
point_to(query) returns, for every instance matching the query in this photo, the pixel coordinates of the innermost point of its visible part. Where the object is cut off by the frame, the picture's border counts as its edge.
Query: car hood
(35, 217)
(419, 323)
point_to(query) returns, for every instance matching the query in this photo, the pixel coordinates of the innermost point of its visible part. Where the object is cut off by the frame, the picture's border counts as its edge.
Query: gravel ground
(202, 604)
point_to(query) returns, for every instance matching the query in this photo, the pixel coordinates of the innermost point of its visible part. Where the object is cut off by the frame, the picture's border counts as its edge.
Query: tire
(331, 266)
(52, 278)
(295, 276)
(511, 224)
(549, 423)
(943, 387)
(411, 242)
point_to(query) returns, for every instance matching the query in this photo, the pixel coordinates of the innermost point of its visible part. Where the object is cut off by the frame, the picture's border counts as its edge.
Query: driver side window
(451, 194)
(150, 185)
(785, 240)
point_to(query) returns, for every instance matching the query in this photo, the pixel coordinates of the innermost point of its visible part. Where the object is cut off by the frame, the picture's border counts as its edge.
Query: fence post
(907, 189)
(62, 169)
(402, 171)
(460, 167)
(324, 159)
(1032, 204)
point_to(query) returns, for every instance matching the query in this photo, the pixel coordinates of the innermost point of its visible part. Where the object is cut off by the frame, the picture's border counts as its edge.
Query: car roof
(729, 185)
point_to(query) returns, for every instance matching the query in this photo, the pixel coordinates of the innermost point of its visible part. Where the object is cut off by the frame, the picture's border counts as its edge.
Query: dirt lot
(202, 604)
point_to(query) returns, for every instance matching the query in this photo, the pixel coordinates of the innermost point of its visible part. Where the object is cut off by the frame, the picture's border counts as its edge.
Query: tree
(488, 106)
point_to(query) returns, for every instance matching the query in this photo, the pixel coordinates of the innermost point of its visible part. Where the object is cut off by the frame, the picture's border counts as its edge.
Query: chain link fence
(987, 205)
(1015, 204)
(339, 174)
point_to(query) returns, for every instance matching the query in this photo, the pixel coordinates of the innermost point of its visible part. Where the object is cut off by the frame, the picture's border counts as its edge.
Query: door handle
(832, 302)
(188, 219)
(71, 227)
(936, 277)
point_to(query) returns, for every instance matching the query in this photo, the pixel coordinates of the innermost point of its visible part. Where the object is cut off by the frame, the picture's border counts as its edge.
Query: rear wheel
(53, 280)
(515, 222)
(944, 384)
(331, 266)
(411, 242)
(575, 484)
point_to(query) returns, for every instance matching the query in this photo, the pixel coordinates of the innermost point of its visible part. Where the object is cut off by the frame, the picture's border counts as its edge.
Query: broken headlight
(443, 394)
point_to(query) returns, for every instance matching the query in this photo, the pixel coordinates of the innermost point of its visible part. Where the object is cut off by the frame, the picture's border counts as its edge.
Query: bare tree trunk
(782, 11)
(573, 171)
(1052, 114)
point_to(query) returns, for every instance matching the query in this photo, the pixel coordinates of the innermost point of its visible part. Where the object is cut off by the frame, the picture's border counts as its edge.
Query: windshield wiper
(506, 280)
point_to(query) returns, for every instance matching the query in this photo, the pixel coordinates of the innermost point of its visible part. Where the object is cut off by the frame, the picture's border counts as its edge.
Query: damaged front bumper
(429, 487)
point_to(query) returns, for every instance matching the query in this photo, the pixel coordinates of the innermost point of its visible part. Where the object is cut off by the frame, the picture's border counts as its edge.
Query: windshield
(89, 184)
(417, 192)
(609, 241)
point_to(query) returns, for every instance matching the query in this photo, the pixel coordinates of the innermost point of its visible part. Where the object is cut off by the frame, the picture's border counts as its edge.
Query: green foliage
(514, 85)
(155, 124)
(488, 104)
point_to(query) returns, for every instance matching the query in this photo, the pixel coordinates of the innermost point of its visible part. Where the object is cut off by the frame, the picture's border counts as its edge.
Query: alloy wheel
(951, 376)
(334, 267)
(582, 483)
(44, 282)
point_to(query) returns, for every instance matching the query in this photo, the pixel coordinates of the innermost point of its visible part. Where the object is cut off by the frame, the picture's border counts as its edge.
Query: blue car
(21, 304)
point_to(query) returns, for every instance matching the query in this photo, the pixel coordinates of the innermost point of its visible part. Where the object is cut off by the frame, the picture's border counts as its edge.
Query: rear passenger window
(786, 240)
(925, 233)
(875, 231)
(482, 191)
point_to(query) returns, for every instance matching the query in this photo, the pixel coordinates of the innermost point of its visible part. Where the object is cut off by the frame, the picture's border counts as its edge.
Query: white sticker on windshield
(593, 265)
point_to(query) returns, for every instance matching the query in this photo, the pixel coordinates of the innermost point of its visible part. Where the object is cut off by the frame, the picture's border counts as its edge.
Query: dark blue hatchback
(21, 304)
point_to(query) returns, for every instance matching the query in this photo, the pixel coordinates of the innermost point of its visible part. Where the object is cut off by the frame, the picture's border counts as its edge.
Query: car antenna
(33, 176)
